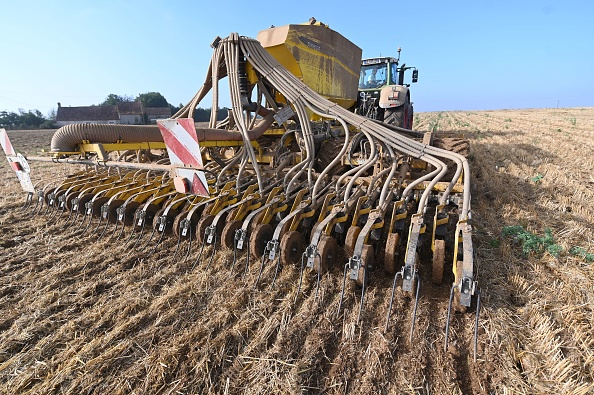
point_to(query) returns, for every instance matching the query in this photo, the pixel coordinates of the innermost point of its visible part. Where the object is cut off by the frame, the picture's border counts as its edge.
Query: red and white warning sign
(17, 161)
(182, 145)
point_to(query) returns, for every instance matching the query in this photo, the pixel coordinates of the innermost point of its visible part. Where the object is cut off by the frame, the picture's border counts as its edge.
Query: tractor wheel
(453, 144)
(395, 116)
(457, 145)
(327, 153)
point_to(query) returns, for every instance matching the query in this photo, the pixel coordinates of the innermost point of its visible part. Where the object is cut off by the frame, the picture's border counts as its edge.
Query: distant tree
(31, 118)
(21, 120)
(8, 119)
(203, 114)
(112, 99)
(51, 115)
(175, 109)
(152, 99)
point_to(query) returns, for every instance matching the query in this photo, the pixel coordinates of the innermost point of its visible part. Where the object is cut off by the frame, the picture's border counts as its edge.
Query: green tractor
(383, 95)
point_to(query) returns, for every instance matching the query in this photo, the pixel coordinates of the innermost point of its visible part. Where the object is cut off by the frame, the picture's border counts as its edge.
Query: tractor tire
(327, 153)
(395, 116)
(457, 145)
(401, 116)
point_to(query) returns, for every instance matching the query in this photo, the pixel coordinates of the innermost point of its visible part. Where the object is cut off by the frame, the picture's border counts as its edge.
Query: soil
(82, 315)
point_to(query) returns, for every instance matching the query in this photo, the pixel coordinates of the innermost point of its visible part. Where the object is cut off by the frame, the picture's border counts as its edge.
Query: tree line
(34, 119)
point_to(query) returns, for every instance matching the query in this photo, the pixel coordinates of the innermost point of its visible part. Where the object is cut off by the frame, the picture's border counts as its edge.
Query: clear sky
(471, 55)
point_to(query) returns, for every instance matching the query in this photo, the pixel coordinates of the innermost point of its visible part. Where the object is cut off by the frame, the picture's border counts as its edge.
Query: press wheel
(256, 221)
(156, 218)
(177, 220)
(291, 247)
(328, 252)
(228, 234)
(259, 237)
(201, 226)
(438, 261)
(351, 239)
(390, 255)
(367, 260)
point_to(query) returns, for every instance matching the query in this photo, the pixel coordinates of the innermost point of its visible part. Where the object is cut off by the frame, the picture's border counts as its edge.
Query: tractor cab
(383, 95)
(378, 72)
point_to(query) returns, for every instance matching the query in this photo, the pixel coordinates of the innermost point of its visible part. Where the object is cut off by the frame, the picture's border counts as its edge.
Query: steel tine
(476, 322)
(98, 224)
(47, 209)
(276, 270)
(176, 247)
(54, 212)
(123, 226)
(214, 245)
(89, 224)
(68, 218)
(189, 249)
(247, 256)
(391, 300)
(300, 277)
(35, 207)
(344, 277)
(201, 249)
(414, 317)
(27, 201)
(61, 209)
(106, 226)
(132, 233)
(159, 242)
(447, 328)
(362, 293)
(139, 234)
(73, 220)
(235, 239)
(150, 238)
(115, 228)
(261, 266)
(318, 275)
(38, 204)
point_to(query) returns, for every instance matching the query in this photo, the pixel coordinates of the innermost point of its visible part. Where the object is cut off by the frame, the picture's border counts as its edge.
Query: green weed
(582, 253)
(532, 243)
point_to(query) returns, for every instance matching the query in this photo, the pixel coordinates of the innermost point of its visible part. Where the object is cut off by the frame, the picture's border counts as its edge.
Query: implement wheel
(259, 237)
(291, 247)
(177, 220)
(328, 252)
(367, 260)
(351, 239)
(438, 261)
(256, 221)
(392, 244)
(202, 225)
(228, 234)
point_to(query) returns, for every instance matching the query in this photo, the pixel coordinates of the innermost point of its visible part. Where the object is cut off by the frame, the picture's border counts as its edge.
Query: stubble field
(80, 315)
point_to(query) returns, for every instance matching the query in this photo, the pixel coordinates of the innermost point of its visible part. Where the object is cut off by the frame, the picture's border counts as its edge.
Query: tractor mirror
(415, 75)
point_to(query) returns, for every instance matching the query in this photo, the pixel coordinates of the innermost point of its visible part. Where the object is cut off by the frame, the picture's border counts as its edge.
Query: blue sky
(471, 55)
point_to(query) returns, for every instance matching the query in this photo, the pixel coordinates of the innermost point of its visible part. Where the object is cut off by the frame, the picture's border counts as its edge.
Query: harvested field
(80, 315)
